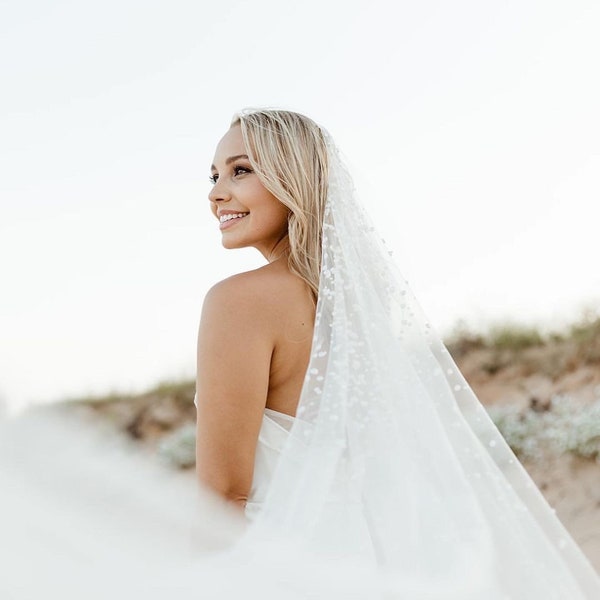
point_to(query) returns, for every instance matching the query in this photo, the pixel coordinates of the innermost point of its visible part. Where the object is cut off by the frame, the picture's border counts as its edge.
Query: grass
(178, 388)
(515, 337)
(551, 353)
(174, 387)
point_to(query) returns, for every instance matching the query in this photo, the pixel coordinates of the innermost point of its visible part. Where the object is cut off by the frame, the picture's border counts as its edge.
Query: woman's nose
(218, 193)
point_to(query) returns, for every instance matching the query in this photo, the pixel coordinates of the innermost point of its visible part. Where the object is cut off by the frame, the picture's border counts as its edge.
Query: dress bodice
(273, 433)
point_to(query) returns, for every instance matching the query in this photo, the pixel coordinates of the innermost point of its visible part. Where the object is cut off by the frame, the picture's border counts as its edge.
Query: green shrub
(179, 447)
(567, 426)
(513, 337)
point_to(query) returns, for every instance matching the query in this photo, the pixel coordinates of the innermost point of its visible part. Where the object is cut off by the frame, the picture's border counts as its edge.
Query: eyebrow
(230, 160)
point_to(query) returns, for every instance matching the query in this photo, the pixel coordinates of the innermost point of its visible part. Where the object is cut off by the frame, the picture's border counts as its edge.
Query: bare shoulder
(260, 294)
(241, 291)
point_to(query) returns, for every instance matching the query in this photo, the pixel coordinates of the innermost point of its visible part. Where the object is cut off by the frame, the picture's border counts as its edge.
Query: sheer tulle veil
(392, 465)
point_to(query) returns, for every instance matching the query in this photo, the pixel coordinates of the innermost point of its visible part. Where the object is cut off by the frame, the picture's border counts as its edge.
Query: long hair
(288, 152)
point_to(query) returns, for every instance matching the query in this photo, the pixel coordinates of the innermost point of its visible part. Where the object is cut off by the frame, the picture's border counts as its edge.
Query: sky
(471, 128)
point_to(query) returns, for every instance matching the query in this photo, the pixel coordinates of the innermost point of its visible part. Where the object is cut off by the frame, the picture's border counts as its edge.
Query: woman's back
(294, 324)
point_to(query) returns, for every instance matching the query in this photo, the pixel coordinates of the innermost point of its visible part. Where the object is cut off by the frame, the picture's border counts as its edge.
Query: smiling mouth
(225, 218)
(226, 221)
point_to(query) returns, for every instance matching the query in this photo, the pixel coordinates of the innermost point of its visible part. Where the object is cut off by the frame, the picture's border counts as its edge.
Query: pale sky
(472, 128)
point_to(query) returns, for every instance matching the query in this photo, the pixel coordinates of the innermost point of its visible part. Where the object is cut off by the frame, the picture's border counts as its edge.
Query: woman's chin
(231, 244)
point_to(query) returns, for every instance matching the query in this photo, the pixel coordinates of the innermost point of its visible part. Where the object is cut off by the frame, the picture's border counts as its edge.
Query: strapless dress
(273, 433)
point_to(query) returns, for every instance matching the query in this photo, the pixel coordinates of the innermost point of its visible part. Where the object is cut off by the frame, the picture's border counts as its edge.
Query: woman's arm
(235, 344)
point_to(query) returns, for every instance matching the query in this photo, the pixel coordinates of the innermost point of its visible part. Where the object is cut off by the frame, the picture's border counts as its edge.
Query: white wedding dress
(273, 434)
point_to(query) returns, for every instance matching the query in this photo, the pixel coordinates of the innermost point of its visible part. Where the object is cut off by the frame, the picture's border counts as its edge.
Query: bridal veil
(393, 468)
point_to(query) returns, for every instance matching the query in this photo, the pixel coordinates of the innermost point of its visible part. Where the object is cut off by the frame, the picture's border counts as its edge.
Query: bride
(256, 328)
(330, 412)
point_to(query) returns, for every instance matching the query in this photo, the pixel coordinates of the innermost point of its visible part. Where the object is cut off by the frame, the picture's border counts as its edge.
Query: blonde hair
(289, 154)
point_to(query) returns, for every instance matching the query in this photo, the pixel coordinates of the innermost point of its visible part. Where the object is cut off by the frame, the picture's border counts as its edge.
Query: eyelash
(236, 171)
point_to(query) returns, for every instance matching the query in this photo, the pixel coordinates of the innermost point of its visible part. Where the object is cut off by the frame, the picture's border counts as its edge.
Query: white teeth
(224, 218)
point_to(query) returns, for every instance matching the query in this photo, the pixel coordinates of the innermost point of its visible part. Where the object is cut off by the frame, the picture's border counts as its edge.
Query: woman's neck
(279, 251)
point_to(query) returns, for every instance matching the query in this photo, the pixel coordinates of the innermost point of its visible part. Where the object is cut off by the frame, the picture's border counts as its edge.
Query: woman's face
(249, 215)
